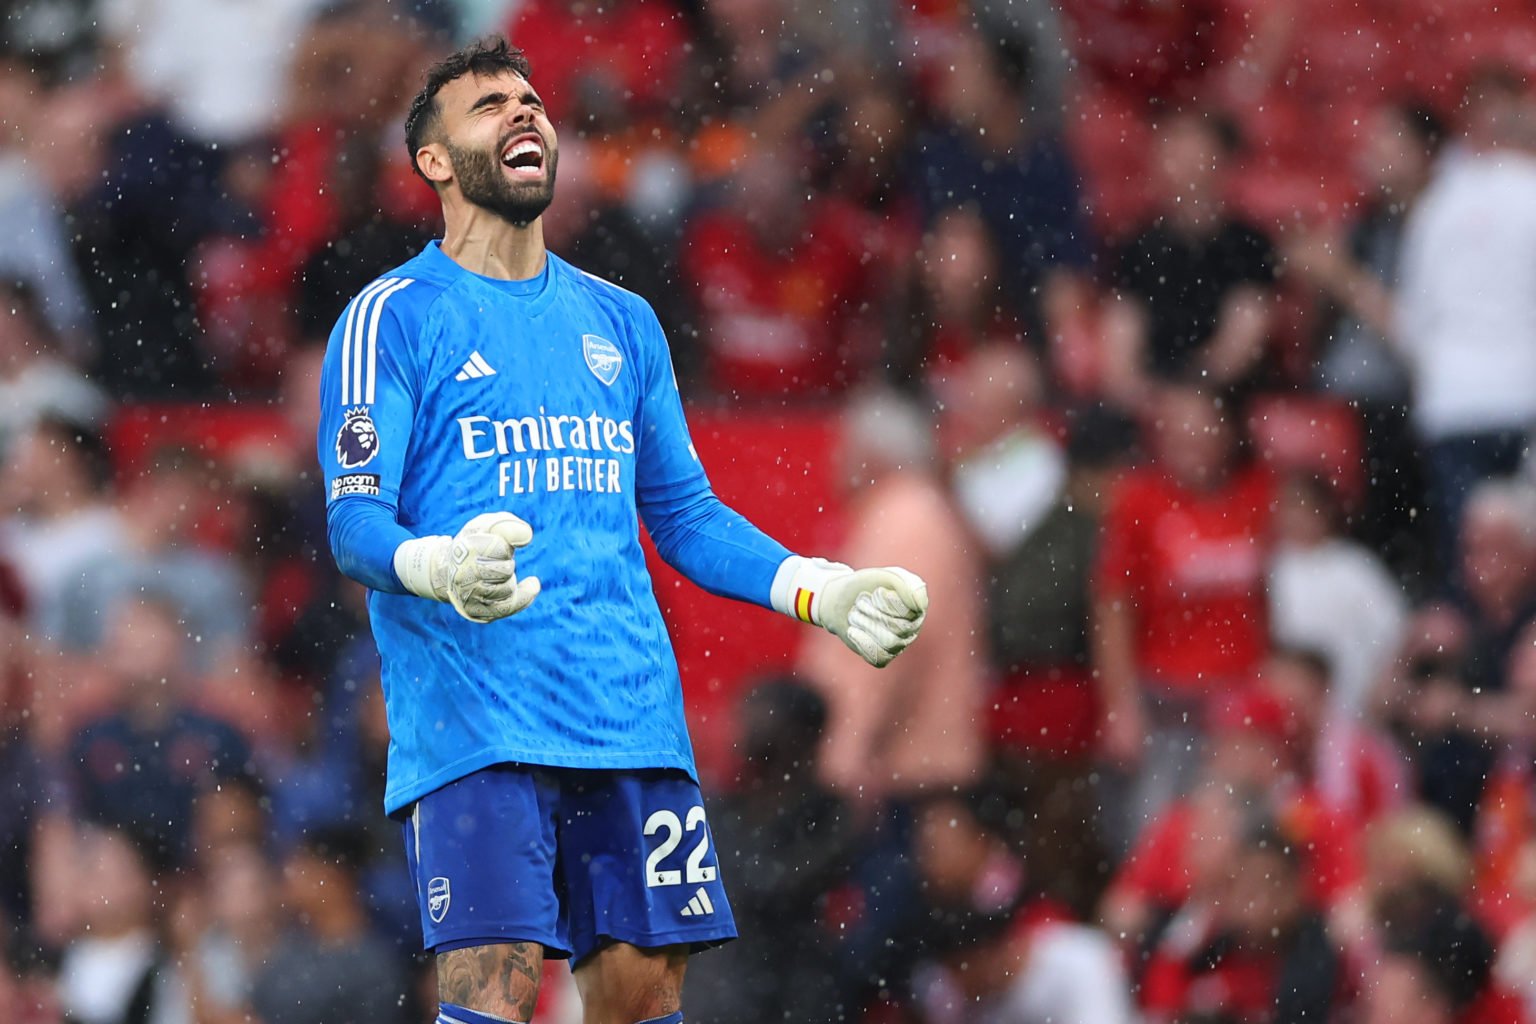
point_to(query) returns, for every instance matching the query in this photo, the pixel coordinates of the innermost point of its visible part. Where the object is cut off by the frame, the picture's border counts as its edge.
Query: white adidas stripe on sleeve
(360, 337)
(346, 338)
(373, 337)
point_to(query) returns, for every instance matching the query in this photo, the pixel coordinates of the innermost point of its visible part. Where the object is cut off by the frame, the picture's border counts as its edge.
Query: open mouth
(524, 157)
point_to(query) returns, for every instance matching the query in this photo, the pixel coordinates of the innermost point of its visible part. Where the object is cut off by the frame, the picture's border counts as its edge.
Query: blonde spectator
(1412, 847)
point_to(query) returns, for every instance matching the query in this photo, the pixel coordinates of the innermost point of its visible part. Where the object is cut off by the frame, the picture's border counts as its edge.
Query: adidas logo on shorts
(699, 905)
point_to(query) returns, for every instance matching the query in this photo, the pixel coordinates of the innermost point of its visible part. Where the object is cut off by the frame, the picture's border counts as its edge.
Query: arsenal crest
(438, 898)
(603, 358)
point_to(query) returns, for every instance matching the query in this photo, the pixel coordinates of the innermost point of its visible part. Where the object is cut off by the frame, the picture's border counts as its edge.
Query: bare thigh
(622, 984)
(502, 979)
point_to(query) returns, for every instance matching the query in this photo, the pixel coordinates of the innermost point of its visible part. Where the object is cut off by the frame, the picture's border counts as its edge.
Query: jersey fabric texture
(445, 394)
(567, 858)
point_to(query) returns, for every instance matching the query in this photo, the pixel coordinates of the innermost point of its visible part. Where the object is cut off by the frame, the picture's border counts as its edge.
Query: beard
(482, 182)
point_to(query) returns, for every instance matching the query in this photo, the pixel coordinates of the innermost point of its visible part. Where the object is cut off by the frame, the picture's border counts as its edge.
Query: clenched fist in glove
(475, 570)
(876, 612)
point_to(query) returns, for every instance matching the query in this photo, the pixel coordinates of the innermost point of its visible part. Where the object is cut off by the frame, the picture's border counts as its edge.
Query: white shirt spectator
(1071, 974)
(99, 979)
(221, 66)
(1335, 598)
(56, 560)
(1467, 303)
(1074, 973)
(1008, 487)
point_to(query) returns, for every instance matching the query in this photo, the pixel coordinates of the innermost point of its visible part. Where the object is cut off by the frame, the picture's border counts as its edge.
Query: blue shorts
(569, 858)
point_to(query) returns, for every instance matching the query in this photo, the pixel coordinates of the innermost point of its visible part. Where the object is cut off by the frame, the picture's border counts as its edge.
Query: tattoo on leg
(463, 974)
(522, 960)
(502, 979)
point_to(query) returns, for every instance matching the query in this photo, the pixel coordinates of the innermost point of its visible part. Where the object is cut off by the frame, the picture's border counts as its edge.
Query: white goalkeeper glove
(876, 612)
(475, 570)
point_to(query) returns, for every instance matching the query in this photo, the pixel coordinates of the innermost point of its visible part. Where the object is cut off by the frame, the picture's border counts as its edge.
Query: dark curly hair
(489, 56)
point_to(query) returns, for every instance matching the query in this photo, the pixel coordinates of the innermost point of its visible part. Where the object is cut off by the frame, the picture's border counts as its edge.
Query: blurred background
(1186, 348)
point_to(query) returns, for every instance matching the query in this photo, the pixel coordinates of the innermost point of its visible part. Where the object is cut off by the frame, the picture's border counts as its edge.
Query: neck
(485, 244)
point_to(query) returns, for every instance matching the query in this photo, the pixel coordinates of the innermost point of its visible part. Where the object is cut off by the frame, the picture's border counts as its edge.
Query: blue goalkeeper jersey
(446, 394)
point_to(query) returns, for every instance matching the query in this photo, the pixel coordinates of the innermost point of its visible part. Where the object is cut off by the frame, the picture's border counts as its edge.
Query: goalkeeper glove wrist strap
(414, 562)
(798, 584)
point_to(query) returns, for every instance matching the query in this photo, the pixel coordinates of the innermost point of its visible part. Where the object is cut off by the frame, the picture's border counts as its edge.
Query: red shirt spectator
(779, 285)
(1179, 603)
(1192, 563)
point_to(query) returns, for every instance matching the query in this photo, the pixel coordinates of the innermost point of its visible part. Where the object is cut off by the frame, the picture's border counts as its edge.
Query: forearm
(1114, 659)
(364, 537)
(715, 547)
(876, 612)
(1238, 343)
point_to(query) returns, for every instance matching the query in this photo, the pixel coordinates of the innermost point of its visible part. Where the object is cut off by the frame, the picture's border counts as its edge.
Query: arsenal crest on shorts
(358, 441)
(603, 358)
(438, 898)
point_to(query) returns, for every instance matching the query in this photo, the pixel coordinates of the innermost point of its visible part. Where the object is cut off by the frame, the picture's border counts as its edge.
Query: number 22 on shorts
(667, 821)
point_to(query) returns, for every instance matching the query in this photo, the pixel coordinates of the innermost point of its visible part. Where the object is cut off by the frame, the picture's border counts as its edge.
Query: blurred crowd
(1187, 349)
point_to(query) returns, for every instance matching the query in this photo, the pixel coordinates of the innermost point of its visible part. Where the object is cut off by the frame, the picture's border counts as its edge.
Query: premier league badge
(358, 441)
(603, 358)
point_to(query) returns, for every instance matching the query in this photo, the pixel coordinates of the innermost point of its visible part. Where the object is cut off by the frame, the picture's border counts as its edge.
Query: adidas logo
(699, 905)
(475, 367)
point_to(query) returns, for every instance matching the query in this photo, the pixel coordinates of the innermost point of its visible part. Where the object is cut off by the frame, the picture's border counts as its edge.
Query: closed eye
(498, 99)
(490, 99)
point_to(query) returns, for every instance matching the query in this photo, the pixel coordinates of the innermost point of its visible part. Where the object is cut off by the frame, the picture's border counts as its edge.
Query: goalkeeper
(495, 424)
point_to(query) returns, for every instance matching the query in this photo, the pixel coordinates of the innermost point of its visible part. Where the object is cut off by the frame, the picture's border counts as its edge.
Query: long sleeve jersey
(446, 394)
